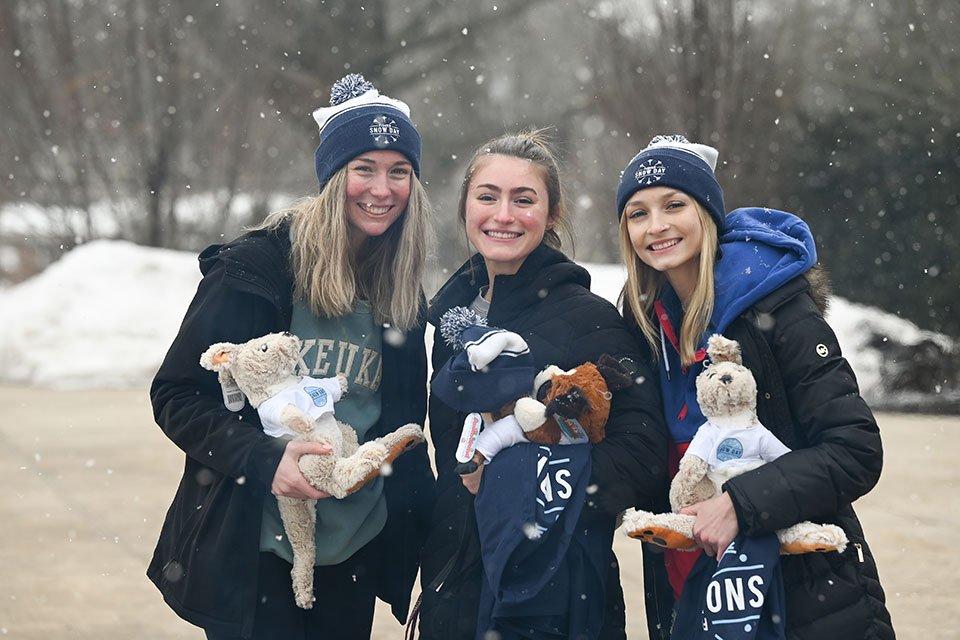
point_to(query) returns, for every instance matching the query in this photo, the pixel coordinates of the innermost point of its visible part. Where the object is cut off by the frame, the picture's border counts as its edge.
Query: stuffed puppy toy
(731, 442)
(572, 405)
(494, 376)
(302, 408)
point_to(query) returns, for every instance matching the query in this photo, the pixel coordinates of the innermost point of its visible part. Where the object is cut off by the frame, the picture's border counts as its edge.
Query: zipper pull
(859, 551)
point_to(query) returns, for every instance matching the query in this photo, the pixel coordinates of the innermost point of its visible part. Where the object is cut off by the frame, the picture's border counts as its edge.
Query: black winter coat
(548, 302)
(808, 397)
(206, 559)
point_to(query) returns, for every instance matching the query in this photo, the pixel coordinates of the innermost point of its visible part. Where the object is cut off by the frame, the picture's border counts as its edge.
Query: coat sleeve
(404, 401)
(445, 422)
(629, 464)
(187, 399)
(838, 456)
(409, 489)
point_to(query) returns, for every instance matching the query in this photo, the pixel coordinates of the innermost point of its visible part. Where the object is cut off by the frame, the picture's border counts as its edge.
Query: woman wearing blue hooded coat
(692, 271)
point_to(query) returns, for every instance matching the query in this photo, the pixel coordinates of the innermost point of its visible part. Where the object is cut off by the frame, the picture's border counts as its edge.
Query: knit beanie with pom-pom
(493, 366)
(358, 120)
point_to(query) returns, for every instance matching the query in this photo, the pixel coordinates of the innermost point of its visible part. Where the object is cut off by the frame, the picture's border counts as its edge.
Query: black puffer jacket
(205, 563)
(808, 397)
(549, 303)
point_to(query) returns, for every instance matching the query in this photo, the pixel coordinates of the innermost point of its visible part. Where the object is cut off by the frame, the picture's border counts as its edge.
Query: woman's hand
(716, 525)
(472, 480)
(288, 481)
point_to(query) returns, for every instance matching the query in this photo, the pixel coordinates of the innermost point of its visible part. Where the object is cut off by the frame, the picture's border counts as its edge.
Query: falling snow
(83, 323)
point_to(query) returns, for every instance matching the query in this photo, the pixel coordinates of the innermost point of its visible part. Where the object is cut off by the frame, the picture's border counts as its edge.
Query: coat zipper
(437, 583)
(859, 549)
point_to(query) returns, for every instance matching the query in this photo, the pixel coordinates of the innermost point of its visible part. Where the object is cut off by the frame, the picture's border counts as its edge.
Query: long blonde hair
(644, 284)
(330, 279)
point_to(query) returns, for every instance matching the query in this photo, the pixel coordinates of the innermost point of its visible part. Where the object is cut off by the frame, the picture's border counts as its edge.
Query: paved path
(88, 478)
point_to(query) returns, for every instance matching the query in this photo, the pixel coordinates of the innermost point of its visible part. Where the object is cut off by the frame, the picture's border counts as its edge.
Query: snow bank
(102, 316)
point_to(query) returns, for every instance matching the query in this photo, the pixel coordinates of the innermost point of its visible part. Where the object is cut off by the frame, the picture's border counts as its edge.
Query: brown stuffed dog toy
(570, 407)
(491, 376)
(574, 404)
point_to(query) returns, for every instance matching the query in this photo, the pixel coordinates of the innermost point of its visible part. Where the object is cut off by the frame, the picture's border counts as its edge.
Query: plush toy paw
(303, 600)
(807, 537)
(667, 530)
(399, 442)
(691, 484)
(664, 537)
(530, 413)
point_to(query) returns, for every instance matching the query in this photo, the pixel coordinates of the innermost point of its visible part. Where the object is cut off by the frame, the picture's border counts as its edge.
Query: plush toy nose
(726, 378)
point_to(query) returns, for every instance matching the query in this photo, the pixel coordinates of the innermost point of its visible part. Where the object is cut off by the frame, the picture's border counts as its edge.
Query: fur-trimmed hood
(821, 287)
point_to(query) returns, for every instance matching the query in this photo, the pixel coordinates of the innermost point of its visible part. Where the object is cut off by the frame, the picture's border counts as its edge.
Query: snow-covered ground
(103, 316)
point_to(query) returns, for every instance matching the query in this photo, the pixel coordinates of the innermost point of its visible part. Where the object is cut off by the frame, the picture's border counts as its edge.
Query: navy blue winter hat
(358, 120)
(673, 161)
(494, 368)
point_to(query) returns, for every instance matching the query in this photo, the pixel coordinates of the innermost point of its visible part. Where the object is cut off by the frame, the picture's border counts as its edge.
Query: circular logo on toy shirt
(318, 395)
(384, 130)
(729, 449)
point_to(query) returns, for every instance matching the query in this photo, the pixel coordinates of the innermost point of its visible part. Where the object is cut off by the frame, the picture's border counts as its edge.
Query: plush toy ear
(572, 404)
(217, 358)
(615, 373)
(721, 349)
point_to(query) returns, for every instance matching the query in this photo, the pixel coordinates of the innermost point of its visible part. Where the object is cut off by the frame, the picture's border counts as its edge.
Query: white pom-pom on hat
(706, 153)
(455, 321)
(350, 86)
(352, 92)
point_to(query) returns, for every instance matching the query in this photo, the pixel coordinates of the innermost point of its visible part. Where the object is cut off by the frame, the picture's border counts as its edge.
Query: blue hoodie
(761, 250)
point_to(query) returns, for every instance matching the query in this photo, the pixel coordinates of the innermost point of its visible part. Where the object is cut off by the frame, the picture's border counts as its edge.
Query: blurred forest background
(173, 123)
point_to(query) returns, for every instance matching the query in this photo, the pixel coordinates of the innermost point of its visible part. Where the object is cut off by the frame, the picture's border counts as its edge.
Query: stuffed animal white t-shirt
(720, 447)
(313, 396)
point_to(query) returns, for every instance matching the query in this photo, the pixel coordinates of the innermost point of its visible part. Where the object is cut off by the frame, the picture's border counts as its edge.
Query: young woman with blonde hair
(692, 271)
(342, 271)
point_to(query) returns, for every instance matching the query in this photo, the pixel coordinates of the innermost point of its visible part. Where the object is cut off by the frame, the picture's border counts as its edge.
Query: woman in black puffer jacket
(694, 270)
(511, 204)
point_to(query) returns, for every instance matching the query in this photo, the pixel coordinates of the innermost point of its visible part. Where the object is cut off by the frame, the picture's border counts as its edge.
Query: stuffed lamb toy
(289, 405)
